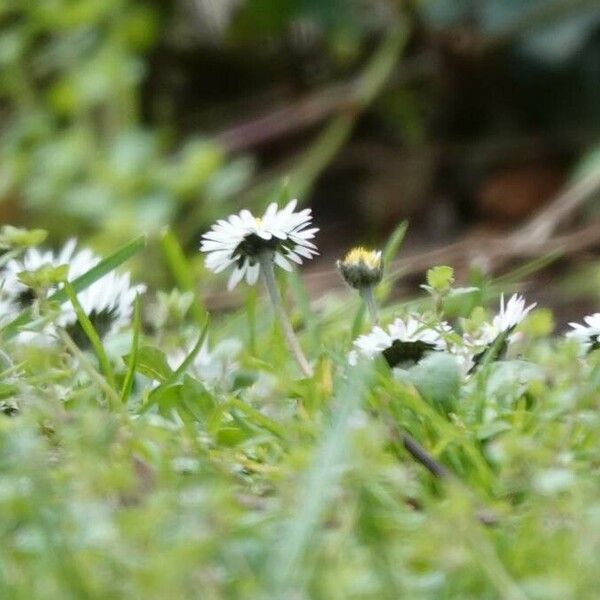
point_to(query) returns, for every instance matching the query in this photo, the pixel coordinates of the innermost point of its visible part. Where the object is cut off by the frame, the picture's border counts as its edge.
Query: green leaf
(152, 363)
(16, 237)
(196, 399)
(440, 278)
(437, 379)
(47, 276)
(258, 418)
(169, 378)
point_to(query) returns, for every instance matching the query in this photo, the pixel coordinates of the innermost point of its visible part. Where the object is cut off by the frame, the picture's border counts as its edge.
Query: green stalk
(366, 293)
(92, 334)
(268, 275)
(111, 395)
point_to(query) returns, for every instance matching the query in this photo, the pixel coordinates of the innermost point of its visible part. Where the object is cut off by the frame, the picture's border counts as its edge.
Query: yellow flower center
(358, 255)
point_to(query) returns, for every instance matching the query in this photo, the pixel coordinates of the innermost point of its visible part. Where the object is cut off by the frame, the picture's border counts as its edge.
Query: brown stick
(421, 456)
(538, 230)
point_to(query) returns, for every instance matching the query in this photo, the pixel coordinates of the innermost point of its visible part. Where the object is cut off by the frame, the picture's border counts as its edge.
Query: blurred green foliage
(230, 477)
(76, 154)
(108, 107)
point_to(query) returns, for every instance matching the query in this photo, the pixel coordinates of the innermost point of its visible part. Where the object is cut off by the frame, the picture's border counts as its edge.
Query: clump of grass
(173, 458)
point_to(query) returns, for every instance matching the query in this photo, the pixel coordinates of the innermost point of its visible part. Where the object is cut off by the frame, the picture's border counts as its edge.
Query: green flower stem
(91, 334)
(111, 395)
(268, 275)
(366, 293)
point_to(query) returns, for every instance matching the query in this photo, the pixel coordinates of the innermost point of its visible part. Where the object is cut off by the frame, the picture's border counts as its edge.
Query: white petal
(236, 276)
(252, 273)
(282, 262)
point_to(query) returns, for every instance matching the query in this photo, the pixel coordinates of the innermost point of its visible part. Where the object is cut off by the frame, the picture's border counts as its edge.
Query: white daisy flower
(587, 335)
(405, 340)
(371, 344)
(239, 241)
(509, 316)
(108, 302)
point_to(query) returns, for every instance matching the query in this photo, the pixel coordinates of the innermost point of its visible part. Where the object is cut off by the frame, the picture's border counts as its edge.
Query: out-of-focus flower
(587, 335)
(508, 317)
(108, 302)
(215, 367)
(241, 239)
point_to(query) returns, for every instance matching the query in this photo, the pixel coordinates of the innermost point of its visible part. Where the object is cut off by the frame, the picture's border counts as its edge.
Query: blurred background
(476, 120)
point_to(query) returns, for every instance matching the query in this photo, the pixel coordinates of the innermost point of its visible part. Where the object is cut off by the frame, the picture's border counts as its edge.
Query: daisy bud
(361, 268)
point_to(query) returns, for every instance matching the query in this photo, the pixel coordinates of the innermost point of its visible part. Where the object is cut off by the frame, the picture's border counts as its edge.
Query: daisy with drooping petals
(404, 341)
(240, 241)
(587, 335)
(108, 302)
(253, 245)
(510, 315)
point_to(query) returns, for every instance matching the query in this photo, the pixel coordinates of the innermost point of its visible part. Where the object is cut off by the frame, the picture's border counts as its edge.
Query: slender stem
(268, 274)
(113, 398)
(366, 293)
(421, 455)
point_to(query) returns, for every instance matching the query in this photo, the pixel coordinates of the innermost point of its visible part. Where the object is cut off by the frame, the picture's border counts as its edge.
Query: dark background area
(465, 117)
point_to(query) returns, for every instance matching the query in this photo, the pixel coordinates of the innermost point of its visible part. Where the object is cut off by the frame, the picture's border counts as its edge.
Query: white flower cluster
(108, 301)
(408, 340)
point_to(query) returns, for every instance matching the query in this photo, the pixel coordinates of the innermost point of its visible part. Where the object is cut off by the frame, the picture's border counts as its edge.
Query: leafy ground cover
(181, 457)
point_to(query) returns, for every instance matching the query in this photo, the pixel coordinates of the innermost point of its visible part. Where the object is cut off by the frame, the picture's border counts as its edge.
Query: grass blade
(132, 363)
(291, 550)
(357, 323)
(392, 246)
(394, 242)
(92, 335)
(187, 361)
(182, 272)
